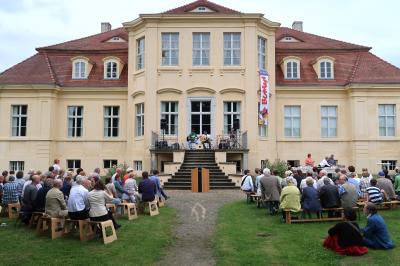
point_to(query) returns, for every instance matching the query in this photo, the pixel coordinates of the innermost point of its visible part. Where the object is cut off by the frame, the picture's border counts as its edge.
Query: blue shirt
(376, 234)
(156, 180)
(10, 192)
(355, 183)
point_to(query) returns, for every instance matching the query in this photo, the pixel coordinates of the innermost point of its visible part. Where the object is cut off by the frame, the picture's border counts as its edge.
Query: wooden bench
(53, 225)
(151, 205)
(111, 207)
(127, 208)
(13, 210)
(386, 205)
(289, 219)
(257, 199)
(87, 229)
(248, 196)
(33, 222)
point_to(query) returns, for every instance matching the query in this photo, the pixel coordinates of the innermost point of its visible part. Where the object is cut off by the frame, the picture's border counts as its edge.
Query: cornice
(169, 90)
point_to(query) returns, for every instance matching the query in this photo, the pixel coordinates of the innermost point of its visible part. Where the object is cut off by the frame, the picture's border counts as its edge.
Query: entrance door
(200, 116)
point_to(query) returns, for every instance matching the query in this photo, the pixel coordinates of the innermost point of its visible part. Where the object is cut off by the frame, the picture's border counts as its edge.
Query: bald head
(36, 179)
(57, 183)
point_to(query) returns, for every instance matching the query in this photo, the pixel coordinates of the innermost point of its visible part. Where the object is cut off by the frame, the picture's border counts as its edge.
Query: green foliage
(140, 242)
(247, 235)
(111, 171)
(280, 165)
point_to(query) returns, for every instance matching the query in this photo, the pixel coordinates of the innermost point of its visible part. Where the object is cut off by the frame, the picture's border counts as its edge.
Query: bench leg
(110, 238)
(153, 208)
(57, 228)
(86, 231)
(132, 213)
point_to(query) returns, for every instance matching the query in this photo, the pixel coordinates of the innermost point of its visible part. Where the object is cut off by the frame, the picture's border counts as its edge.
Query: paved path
(197, 213)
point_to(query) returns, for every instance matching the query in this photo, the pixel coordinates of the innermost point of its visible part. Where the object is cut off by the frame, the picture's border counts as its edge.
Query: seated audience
(347, 192)
(147, 188)
(78, 206)
(97, 199)
(290, 198)
(20, 181)
(160, 190)
(375, 233)
(365, 180)
(257, 186)
(386, 185)
(129, 171)
(345, 237)
(40, 201)
(324, 163)
(353, 179)
(10, 191)
(111, 188)
(29, 198)
(247, 182)
(309, 199)
(55, 203)
(271, 190)
(309, 161)
(303, 183)
(323, 174)
(288, 178)
(119, 187)
(397, 182)
(67, 184)
(329, 197)
(299, 176)
(374, 194)
(132, 189)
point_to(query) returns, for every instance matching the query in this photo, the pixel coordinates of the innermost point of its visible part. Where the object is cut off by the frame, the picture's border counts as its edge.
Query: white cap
(130, 169)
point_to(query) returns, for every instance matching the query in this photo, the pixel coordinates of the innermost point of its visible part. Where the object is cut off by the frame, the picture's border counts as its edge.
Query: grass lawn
(140, 242)
(248, 236)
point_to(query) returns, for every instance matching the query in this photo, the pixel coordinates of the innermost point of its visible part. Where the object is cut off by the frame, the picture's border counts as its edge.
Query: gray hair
(57, 183)
(323, 172)
(266, 171)
(326, 181)
(79, 179)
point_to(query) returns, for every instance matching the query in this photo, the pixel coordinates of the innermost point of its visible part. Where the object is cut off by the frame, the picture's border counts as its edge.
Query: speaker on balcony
(163, 124)
(236, 124)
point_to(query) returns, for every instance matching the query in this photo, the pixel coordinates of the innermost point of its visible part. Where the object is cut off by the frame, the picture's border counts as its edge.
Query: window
(109, 163)
(140, 54)
(17, 166)
(293, 163)
(19, 116)
(231, 49)
(263, 164)
(231, 116)
(261, 52)
(169, 112)
(292, 121)
(388, 164)
(262, 129)
(79, 69)
(73, 164)
(201, 49)
(325, 70)
(137, 165)
(111, 69)
(328, 121)
(170, 49)
(75, 121)
(292, 70)
(111, 121)
(387, 120)
(139, 119)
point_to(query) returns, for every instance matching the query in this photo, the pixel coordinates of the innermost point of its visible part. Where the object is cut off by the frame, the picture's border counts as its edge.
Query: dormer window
(324, 67)
(112, 67)
(80, 67)
(291, 67)
(201, 9)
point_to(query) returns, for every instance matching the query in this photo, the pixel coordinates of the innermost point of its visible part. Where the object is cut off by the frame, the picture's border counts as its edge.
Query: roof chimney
(105, 26)
(297, 25)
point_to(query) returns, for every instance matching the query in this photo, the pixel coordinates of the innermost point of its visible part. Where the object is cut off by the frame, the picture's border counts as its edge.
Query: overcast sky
(27, 24)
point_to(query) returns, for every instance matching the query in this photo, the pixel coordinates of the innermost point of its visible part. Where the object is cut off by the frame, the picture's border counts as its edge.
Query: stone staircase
(200, 159)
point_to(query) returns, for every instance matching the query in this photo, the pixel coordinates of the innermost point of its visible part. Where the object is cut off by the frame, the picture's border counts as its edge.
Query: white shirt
(38, 186)
(303, 184)
(113, 178)
(248, 182)
(57, 167)
(258, 185)
(78, 198)
(324, 163)
(320, 182)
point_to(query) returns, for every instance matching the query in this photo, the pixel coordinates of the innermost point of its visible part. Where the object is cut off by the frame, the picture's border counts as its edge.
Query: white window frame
(79, 69)
(110, 162)
(16, 120)
(390, 167)
(262, 53)
(74, 162)
(140, 53)
(292, 117)
(292, 67)
(385, 116)
(228, 48)
(323, 69)
(232, 114)
(166, 47)
(139, 114)
(16, 166)
(330, 120)
(72, 131)
(167, 115)
(202, 49)
(138, 165)
(108, 130)
(114, 72)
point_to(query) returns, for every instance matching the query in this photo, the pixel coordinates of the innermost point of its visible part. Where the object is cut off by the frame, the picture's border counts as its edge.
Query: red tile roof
(210, 5)
(97, 42)
(311, 42)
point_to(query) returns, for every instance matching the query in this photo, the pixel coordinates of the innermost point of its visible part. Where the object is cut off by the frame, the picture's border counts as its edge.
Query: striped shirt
(374, 195)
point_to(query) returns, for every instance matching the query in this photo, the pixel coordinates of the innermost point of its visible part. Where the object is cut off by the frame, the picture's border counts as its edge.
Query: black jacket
(329, 196)
(347, 234)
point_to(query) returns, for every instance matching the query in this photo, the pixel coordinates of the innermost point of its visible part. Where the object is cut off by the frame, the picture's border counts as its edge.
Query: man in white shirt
(247, 182)
(320, 183)
(324, 163)
(56, 165)
(78, 205)
(259, 175)
(118, 171)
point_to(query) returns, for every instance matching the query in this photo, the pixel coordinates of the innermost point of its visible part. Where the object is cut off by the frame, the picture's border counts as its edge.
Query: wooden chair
(85, 230)
(13, 210)
(103, 227)
(160, 202)
(33, 222)
(129, 209)
(54, 225)
(153, 208)
(111, 207)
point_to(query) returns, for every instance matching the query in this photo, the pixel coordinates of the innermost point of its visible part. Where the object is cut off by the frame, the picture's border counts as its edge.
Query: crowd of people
(314, 190)
(75, 194)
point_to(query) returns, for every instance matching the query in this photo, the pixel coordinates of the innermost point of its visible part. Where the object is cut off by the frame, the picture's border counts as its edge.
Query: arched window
(290, 66)
(326, 70)
(80, 68)
(111, 70)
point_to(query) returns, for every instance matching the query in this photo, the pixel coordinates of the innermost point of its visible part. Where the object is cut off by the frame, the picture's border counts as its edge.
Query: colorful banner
(264, 98)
